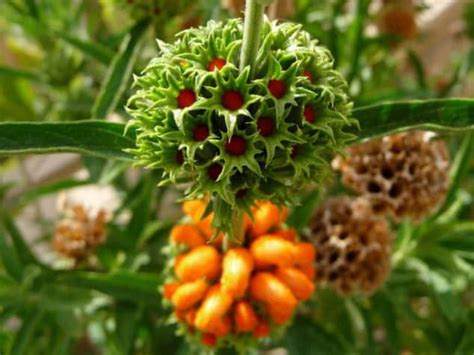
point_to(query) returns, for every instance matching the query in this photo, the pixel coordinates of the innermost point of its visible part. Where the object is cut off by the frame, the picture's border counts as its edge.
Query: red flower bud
(265, 126)
(277, 88)
(236, 146)
(186, 98)
(232, 100)
(216, 64)
(200, 132)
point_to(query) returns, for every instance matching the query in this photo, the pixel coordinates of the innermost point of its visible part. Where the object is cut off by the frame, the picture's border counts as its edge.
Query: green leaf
(32, 8)
(141, 211)
(9, 257)
(459, 237)
(357, 34)
(386, 308)
(24, 335)
(97, 138)
(306, 337)
(121, 285)
(22, 249)
(392, 117)
(19, 74)
(5, 340)
(119, 72)
(301, 215)
(459, 169)
(126, 319)
(93, 50)
(418, 68)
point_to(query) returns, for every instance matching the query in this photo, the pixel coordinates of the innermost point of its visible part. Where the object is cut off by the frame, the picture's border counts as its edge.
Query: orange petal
(270, 250)
(187, 234)
(267, 288)
(189, 294)
(288, 234)
(245, 317)
(309, 270)
(236, 269)
(216, 304)
(203, 261)
(169, 289)
(267, 216)
(209, 340)
(262, 329)
(305, 253)
(299, 284)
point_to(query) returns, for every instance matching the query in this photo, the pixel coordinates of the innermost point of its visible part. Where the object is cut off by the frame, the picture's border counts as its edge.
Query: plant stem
(252, 26)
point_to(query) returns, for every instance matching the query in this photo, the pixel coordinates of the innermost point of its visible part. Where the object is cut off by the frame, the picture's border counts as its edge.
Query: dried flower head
(79, 233)
(398, 19)
(353, 244)
(235, 7)
(205, 122)
(404, 175)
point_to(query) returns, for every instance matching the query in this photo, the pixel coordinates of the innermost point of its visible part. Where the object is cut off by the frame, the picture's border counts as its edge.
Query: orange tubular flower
(188, 294)
(287, 234)
(267, 288)
(305, 254)
(195, 209)
(278, 314)
(299, 284)
(245, 317)
(209, 340)
(267, 216)
(309, 270)
(223, 327)
(237, 266)
(245, 291)
(169, 289)
(271, 250)
(187, 234)
(216, 304)
(190, 316)
(203, 261)
(262, 329)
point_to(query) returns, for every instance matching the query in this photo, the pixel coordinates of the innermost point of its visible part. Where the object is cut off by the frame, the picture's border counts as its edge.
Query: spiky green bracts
(235, 138)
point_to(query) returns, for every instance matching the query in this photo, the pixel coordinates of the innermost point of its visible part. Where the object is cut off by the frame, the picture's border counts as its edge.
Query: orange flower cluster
(247, 289)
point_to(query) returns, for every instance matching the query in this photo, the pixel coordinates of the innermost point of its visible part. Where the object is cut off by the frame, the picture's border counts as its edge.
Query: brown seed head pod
(398, 18)
(404, 175)
(79, 232)
(235, 7)
(354, 246)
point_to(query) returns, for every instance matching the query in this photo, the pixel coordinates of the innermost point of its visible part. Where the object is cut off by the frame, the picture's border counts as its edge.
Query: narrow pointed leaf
(93, 50)
(119, 72)
(19, 74)
(97, 138)
(27, 330)
(120, 285)
(392, 117)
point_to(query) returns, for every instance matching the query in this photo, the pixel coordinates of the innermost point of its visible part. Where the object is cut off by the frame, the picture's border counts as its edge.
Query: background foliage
(64, 61)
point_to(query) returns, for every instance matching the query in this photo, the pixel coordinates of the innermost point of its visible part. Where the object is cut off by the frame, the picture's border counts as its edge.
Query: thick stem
(254, 11)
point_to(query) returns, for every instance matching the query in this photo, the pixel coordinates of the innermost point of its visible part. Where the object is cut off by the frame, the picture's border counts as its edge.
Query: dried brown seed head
(404, 175)
(79, 232)
(354, 246)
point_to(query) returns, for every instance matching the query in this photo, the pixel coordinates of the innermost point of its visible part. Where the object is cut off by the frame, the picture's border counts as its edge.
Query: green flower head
(235, 138)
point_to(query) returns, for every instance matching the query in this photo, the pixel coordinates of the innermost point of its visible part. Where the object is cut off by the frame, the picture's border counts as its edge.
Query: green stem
(252, 26)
